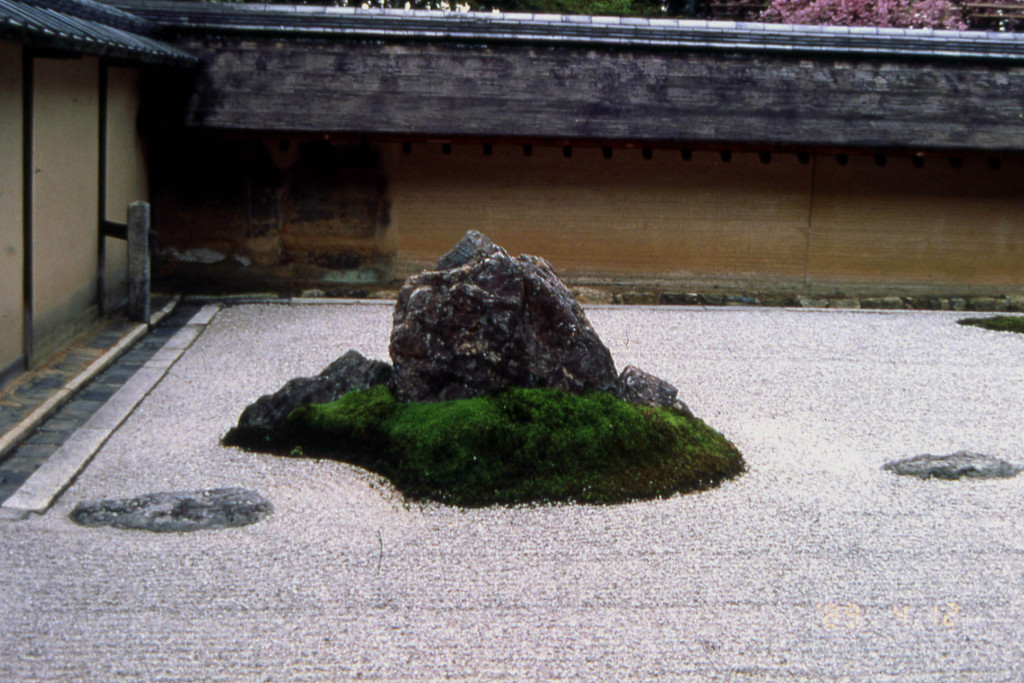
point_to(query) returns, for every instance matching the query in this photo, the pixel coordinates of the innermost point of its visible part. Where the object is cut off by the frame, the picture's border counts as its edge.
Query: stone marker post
(138, 261)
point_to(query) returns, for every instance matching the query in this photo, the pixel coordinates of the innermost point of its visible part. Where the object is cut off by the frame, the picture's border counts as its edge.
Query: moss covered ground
(999, 323)
(517, 446)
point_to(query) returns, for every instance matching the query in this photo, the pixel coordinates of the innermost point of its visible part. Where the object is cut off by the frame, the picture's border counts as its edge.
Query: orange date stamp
(852, 616)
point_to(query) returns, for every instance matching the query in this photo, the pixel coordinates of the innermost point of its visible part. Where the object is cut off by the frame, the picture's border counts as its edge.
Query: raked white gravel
(813, 565)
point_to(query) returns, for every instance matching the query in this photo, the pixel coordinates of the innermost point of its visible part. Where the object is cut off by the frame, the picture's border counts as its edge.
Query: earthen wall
(315, 212)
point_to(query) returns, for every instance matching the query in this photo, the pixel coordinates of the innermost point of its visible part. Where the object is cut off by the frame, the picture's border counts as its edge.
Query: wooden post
(138, 261)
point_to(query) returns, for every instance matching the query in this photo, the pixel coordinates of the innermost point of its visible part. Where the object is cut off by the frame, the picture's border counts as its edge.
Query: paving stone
(19, 461)
(135, 357)
(97, 392)
(182, 314)
(44, 382)
(81, 408)
(53, 437)
(9, 421)
(32, 452)
(75, 364)
(140, 354)
(33, 397)
(11, 482)
(164, 331)
(120, 373)
(146, 348)
(104, 382)
(107, 339)
(11, 411)
(13, 478)
(61, 424)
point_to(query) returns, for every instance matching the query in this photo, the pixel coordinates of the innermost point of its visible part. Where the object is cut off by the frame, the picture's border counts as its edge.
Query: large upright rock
(472, 245)
(485, 320)
(480, 322)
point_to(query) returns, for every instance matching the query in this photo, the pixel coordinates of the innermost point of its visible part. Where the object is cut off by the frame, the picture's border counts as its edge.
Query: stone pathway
(34, 390)
(25, 393)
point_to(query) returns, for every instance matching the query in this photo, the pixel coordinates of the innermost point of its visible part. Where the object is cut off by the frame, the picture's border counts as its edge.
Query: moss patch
(999, 323)
(517, 446)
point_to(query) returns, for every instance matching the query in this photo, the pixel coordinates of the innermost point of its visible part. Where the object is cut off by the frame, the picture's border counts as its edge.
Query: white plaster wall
(65, 198)
(127, 181)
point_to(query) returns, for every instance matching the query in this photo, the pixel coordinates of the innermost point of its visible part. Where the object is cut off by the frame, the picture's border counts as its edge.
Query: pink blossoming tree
(942, 14)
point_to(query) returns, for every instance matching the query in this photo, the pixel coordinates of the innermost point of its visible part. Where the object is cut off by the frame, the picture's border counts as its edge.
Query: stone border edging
(24, 429)
(40, 490)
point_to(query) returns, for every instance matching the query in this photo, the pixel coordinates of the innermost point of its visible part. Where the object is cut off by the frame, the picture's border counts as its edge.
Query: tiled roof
(622, 32)
(86, 27)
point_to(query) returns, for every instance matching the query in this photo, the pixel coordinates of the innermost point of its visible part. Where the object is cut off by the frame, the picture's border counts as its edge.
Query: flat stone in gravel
(176, 511)
(954, 466)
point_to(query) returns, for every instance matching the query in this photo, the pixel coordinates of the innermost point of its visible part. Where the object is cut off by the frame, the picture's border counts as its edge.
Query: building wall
(65, 199)
(607, 218)
(281, 212)
(935, 225)
(127, 179)
(782, 222)
(438, 88)
(777, 225)
(11, 189)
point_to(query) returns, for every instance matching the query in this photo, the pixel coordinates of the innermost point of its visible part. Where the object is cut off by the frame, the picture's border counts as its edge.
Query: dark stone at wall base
(954, 466)
(680, 299)
(176, 511)
(493, 321)
(264, 419)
